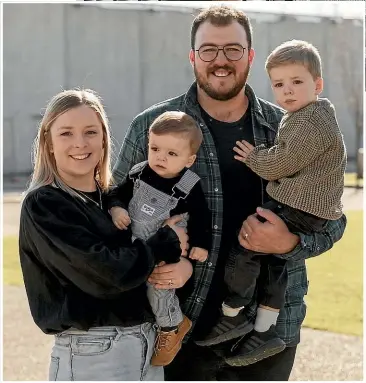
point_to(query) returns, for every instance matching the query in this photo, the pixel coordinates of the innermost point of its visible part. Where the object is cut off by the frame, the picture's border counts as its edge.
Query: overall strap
(136, 170)
(186, 183)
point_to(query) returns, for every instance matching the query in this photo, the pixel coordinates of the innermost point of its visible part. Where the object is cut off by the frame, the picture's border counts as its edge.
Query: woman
(84, 278)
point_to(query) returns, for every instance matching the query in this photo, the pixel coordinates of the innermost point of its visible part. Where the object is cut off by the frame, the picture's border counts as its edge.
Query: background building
(135, 55)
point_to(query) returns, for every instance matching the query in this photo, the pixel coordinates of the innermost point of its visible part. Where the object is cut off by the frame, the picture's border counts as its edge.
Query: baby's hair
(178, 123)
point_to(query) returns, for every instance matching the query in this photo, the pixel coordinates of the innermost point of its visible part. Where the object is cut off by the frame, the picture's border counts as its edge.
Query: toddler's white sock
(229, 311)
(265, 318)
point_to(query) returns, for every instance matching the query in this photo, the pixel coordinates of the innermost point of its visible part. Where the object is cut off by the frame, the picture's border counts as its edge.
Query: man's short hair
(222, 15)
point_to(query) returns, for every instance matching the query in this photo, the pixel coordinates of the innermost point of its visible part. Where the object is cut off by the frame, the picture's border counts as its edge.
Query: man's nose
(221, 58)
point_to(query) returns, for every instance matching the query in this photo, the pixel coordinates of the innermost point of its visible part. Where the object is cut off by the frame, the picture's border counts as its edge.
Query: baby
(159, 188)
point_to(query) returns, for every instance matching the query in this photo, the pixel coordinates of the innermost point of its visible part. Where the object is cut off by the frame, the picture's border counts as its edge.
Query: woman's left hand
(171, 276)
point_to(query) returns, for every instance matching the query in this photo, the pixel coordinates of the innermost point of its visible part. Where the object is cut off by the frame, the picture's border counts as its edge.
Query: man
(227, 110)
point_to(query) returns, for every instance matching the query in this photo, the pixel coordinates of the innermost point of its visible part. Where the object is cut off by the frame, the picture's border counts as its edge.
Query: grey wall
(135, 58)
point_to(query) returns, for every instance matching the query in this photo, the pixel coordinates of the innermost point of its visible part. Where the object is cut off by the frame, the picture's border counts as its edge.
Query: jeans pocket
(55, 362)
(92, 345)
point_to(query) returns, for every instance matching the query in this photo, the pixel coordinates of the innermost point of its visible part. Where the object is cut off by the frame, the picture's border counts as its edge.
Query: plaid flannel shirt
(265, 121)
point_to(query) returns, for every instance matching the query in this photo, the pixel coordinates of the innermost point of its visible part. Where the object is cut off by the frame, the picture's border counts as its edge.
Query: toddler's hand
(243, 148)
(198, 254)
(120, 217)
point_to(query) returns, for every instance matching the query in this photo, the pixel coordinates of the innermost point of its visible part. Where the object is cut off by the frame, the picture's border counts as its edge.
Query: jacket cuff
(165, 245)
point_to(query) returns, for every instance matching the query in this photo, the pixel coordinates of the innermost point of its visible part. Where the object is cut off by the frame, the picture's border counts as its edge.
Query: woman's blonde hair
(45, 170)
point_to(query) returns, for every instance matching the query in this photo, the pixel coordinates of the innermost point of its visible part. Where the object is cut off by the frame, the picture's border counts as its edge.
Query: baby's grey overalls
(148, 209)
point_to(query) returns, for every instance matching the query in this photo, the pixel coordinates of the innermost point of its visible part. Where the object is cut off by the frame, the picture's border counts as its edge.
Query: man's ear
(191, 57)
(251, 56)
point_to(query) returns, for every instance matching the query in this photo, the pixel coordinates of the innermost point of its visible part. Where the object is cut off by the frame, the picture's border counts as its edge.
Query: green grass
(335, 294)
(350, 179)
(12, 274)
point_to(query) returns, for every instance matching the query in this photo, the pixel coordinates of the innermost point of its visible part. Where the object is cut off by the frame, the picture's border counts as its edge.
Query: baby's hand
(198, 254)
(120, 217)
(243, 148)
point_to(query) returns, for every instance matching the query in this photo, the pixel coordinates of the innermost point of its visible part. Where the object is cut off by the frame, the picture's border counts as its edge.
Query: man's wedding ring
(170, 283)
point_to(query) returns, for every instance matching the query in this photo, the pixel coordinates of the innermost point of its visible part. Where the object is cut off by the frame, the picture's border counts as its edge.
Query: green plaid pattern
(265, 118)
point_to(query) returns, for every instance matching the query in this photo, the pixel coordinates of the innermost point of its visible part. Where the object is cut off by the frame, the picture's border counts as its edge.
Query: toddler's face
(294, 86)
(169, 154)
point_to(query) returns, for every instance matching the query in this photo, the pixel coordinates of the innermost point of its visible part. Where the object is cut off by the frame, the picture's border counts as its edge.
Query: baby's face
(294, 86)
(169, 154)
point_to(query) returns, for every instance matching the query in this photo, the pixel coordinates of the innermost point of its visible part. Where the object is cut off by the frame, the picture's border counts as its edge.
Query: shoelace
(162, 340)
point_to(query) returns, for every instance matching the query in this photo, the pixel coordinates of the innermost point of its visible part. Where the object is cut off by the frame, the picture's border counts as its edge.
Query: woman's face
(77, 143)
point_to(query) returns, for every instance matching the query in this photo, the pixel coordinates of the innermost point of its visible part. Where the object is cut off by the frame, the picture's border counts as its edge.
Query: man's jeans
(105, 354)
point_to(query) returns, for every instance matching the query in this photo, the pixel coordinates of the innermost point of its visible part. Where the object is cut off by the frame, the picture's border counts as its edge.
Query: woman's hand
(172, 276)
(180, 231)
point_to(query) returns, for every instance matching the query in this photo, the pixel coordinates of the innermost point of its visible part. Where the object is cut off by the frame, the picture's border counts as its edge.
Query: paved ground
(322, 356)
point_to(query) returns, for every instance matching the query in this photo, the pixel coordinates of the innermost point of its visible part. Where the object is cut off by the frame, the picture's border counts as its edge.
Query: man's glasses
(232, 52)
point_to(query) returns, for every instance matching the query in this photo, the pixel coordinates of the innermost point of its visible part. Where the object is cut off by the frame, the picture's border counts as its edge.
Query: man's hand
(172, 276)
(120, 217)
(243, 148)
(198, 254)
(270, 237)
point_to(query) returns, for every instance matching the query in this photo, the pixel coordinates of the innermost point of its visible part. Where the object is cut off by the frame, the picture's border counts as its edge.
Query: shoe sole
(233, 334)
(238, 361)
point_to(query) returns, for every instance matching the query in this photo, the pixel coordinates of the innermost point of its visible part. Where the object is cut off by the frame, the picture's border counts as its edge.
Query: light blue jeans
(105, 354)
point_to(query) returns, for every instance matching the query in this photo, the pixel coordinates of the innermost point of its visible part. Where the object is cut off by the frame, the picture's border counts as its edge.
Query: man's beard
(204, 84)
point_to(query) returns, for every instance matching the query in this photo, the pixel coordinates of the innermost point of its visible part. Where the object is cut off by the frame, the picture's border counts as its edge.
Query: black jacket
(79, 270)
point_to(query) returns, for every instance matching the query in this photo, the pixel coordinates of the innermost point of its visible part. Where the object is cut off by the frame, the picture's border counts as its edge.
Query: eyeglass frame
(218, 50)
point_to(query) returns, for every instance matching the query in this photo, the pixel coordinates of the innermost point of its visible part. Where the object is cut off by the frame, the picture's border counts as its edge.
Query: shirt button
(211, 154)
(201, 124)
(318, 248)
(210, 264)
(216, 189)
(198, 300)
(216, 227)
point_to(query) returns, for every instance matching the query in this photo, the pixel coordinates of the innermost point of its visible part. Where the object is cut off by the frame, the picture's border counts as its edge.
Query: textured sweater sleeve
(296, 146)
(65, 241)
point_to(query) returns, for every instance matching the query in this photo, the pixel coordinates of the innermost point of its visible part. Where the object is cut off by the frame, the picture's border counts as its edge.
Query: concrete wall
(135, 58)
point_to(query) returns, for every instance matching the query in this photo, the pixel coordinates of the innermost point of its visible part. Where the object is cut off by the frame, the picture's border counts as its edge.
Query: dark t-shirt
(242, 194)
